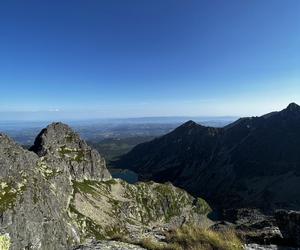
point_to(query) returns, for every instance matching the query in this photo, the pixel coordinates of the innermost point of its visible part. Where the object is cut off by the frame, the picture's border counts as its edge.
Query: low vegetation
(9, 193)
(194, 238)
(73, 154)
(124, 206)
(4, 242)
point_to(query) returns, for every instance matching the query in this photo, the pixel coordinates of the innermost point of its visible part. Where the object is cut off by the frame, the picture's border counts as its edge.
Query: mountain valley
(255, 161)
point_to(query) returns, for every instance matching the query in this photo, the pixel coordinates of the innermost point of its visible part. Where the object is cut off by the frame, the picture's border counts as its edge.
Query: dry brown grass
(194, 238)
(150, 244)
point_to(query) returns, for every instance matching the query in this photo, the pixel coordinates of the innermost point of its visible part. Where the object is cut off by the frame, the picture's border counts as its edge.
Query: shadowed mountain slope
(252, 162)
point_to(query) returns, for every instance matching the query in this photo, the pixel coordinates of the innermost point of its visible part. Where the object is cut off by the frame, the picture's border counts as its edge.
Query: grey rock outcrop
(59, 194)
(254, 226)
(289, 224)
(36, 187)
(134, 211)
(108, 245)
(267, 247)
(279, 230)
(33, 201)
(58, 144)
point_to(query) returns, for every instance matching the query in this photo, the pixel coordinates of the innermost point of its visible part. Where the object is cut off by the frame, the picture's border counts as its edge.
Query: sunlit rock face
(58, 144)
(33, 200)
(134, 211)
(60, 195)
(36, 187)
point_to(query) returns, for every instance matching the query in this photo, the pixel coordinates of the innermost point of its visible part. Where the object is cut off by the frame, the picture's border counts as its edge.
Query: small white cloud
(53, 110)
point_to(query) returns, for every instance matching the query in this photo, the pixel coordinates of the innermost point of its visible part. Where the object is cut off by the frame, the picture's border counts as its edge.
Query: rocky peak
(32, 210)
(58, 142)
(54, 136)
(7, 142)
(187, 127)
(190, 124)
(192, 128)
(293, 107)
(58, 197)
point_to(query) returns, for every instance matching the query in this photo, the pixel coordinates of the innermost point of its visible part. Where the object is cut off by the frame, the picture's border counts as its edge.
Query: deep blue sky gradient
(126, 58)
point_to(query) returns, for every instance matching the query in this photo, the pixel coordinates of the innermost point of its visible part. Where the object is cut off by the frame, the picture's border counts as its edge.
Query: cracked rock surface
(108, 245)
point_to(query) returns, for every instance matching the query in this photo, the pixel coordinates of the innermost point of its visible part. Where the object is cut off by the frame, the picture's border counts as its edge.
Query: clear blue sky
(118, 58)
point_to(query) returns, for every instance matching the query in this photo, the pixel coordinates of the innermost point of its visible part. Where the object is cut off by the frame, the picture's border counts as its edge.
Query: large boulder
(251, 225)
(289, 224)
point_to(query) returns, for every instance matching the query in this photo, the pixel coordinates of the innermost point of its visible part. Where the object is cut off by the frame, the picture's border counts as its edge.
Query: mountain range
(59, 194)
(252, 162)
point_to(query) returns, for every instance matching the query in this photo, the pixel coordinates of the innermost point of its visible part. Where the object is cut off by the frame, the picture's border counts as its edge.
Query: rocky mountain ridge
(59, 141)
(60, 194)
(253, 162)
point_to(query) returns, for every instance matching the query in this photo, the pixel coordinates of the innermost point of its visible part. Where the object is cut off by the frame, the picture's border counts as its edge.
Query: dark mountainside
(253, 162)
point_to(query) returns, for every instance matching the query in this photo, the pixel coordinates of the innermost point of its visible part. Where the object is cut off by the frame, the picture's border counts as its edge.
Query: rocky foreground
(108, 245)
(60, 195)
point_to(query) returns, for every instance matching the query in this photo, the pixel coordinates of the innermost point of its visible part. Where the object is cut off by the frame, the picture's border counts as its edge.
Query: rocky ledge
(133, 212)
(277, 230)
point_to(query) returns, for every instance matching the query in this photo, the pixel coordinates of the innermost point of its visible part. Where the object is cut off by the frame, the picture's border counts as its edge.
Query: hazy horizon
(147, 119)
(46, 116)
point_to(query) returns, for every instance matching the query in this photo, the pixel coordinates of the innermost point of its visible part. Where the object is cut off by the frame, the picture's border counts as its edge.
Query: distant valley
(112, 137)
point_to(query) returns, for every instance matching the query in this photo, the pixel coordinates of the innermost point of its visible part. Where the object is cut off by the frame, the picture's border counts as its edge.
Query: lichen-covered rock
(114, 207)
(32, 206)
(36, 187)
(4, 242)
(60, 194)
(58, 144)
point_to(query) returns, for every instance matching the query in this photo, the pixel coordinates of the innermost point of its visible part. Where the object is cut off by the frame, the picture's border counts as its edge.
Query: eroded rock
(59, 146)
(32, 206)
(60, 194)
(134, 211)
(108, 245)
